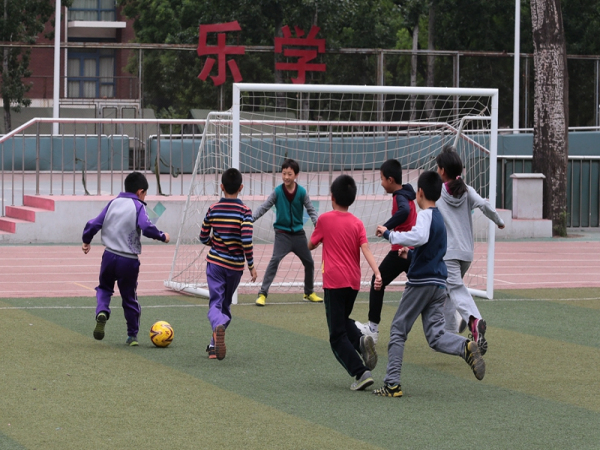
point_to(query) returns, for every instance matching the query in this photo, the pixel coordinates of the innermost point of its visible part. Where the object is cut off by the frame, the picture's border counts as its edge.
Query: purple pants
(125, 272)
(222, 283)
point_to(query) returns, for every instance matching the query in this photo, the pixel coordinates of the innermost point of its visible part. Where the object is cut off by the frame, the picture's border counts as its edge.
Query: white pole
(235, 145)
(56, 93)
(492, 196)
(516, 78)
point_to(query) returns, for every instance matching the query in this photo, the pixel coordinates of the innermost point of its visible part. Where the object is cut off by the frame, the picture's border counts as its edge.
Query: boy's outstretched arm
(267, 205)
(149, 229)
(417, 236)
(310, 209)
(371, 260)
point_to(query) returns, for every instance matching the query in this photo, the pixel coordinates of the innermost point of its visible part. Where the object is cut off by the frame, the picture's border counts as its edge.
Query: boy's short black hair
(392, 169)
(232, 180)
(291, 164)
(431, 184)
(343, 190)
(135, 181)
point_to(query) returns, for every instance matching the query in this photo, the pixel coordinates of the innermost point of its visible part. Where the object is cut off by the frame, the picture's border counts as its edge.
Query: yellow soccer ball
(161, 334)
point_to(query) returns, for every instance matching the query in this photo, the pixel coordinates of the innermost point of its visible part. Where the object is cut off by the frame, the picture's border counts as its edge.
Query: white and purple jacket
(122, 222)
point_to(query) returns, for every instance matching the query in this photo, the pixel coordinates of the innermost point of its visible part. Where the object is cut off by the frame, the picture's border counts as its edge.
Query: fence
(93, 158)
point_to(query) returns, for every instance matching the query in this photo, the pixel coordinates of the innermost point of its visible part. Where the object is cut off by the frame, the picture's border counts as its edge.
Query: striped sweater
(231, 224)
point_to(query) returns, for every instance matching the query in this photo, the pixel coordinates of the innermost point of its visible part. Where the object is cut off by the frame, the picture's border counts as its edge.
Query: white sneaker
(365, 330)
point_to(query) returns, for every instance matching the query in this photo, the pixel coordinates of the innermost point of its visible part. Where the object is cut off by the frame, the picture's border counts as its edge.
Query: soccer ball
(161, 333)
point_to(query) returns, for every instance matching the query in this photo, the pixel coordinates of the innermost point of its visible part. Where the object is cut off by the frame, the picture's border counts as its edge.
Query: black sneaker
(132, 341)
(367, 351)
(101, 319)
(389, 391)
(211, 352)
(473, 358)
(478, 328)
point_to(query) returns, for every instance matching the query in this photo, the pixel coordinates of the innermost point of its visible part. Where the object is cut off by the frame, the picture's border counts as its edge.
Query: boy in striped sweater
(231, 246)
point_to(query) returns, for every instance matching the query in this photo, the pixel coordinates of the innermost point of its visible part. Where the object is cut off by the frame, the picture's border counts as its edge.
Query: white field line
(3, 308)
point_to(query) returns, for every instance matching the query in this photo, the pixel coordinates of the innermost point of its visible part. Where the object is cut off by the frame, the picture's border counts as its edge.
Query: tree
(551, 109)
(22, 21)
(170, 78)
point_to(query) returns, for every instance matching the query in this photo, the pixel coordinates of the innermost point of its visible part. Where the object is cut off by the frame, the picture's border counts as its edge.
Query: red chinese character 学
(221, 50)
(304, 55)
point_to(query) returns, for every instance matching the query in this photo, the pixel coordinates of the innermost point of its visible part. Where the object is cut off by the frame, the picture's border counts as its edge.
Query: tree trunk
(413, 69)
(550, 117)
(429, 106)
(5, 75)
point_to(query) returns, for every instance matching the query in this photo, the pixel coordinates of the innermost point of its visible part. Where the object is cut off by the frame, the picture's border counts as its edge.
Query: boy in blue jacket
(122, 221)
(290, 199)
(425, 291)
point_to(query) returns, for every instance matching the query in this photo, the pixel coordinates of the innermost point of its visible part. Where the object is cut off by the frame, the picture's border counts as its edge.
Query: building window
(93, 10)
(91, 74)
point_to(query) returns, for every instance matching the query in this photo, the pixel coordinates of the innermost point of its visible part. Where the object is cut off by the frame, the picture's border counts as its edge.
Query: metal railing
(583, 187)
(92, 157)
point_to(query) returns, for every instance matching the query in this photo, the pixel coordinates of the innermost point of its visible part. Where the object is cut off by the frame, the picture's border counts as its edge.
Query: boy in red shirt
(343, 236)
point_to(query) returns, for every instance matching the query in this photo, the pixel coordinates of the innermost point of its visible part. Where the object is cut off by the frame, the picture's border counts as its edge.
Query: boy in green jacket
(290, 199)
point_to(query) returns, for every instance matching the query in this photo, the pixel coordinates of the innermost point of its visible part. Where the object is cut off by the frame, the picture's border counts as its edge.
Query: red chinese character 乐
(221, 50)
(303, 55)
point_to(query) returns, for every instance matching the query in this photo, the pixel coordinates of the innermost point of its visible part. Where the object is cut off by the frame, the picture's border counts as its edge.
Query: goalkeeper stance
(289, 199)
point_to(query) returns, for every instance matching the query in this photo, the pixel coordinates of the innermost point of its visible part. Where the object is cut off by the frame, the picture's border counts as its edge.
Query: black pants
(391, 266)
(344, 337)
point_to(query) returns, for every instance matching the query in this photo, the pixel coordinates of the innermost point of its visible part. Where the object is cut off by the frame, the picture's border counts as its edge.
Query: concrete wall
(65, 224)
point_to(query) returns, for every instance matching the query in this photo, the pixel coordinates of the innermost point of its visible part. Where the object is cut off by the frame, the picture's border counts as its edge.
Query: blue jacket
(428, 236)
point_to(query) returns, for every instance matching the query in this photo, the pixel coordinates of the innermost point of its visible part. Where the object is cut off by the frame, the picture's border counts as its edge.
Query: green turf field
(280, 386)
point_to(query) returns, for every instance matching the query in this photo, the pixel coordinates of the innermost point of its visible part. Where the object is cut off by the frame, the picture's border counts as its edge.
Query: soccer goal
(332, 130)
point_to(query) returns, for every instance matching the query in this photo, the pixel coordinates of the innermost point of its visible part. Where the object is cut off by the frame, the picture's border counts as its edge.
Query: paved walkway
(64, 271)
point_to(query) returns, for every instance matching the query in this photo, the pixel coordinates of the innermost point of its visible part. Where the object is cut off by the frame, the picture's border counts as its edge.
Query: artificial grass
(281, 387)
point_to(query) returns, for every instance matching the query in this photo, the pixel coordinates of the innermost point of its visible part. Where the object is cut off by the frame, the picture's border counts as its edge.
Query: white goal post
(329, 130)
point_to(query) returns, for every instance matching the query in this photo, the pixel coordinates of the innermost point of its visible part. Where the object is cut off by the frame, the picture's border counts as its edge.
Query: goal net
(332, 130)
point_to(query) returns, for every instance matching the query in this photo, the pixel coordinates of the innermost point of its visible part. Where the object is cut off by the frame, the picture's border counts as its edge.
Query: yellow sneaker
(261, 300)
(312, 298)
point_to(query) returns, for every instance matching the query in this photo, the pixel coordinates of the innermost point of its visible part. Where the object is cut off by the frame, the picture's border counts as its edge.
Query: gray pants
(284, 244)
(459, 299)
(428, 302)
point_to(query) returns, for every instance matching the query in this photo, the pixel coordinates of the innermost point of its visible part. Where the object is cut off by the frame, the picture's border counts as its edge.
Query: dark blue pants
(125, 272)
(344, 337)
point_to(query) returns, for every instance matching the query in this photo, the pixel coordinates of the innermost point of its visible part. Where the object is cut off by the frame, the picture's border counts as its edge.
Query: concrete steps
(15, 215)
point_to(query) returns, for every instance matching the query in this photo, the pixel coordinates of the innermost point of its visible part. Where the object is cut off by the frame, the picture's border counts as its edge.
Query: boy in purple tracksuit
(121, 222)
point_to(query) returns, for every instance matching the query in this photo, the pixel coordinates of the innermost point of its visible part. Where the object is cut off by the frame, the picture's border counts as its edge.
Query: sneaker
(367, 351)
(473, 358)
(478, 327)
(365, 330)
(261, 300)
(389, 391)
(312, 298)
(101, 319)
(219, 338)
(462, 325)
(363, 382)
(132, 341)
(211, 352)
